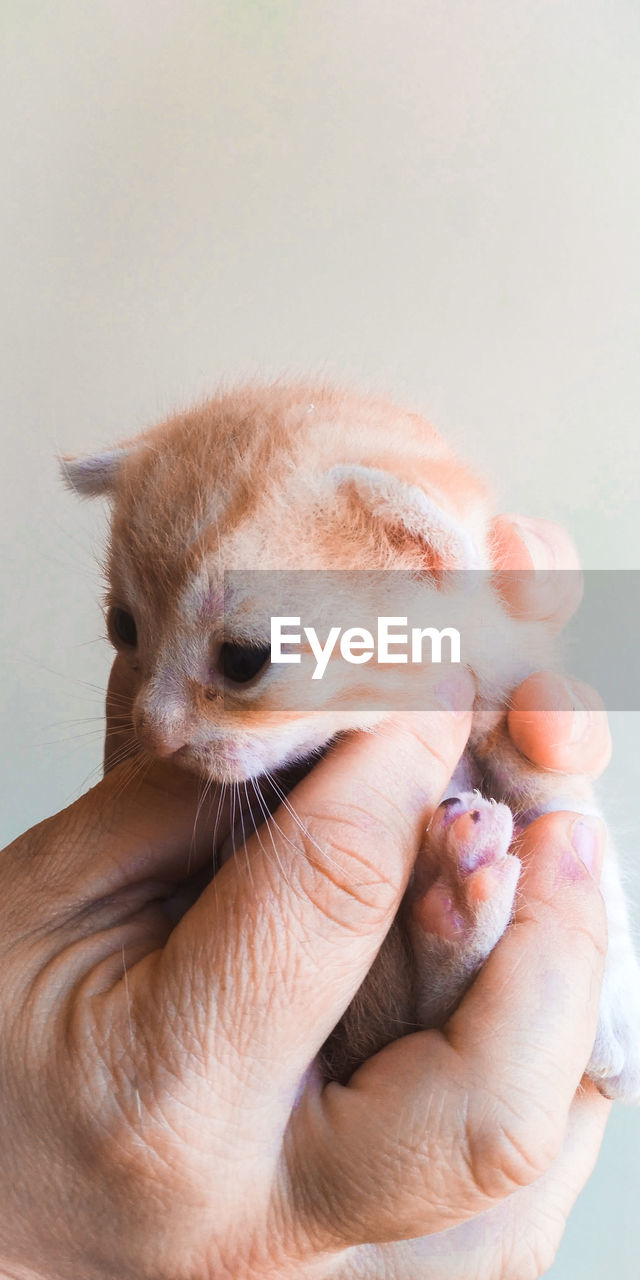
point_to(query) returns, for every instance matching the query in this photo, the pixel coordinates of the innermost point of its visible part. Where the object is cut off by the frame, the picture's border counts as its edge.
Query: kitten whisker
(94, 775)
(63, 675)
(240, 822)
(140, 766)
(301, 825)
(204, 792)
(59, 724)
(67, 737)
(244, 834)
(125, 751)
(224, 789)
(269, 819)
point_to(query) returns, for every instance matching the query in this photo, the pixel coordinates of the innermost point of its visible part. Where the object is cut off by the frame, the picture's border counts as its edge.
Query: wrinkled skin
(170, 1126)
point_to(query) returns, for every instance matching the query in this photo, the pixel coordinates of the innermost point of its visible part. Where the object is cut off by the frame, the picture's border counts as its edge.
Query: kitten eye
(123, 626)
(241, 662)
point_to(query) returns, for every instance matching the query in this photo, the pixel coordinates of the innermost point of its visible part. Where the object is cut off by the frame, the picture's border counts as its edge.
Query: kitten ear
(410, 516)
(95, 474)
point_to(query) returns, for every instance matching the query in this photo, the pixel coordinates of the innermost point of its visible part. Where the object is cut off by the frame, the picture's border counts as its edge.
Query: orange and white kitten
(308, 477)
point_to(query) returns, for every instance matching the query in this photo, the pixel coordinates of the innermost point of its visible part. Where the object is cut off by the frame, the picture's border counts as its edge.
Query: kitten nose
(164, 735)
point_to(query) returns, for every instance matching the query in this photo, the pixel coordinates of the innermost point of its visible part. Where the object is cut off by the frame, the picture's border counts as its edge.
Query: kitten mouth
(229, 762)
(235, 764)
(285, 777)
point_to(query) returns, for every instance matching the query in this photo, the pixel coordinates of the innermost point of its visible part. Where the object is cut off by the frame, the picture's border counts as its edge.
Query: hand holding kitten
(163, 1121)
(384, 520)
(162, 1124)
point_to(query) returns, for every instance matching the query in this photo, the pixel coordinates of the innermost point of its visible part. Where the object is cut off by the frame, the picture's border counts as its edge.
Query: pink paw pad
(464, 875)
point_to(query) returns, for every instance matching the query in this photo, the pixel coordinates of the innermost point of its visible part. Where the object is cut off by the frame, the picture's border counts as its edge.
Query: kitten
(300, 477)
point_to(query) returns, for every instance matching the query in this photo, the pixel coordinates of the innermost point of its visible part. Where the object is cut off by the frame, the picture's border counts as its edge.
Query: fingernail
(581, 722)
(587, 838)
(456, 693)
(540, 549)
(587, 704)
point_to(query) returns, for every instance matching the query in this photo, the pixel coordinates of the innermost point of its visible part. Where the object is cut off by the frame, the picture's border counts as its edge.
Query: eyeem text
(391, 644)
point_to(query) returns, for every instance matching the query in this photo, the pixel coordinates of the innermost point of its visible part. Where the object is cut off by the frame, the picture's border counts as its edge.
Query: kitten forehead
(253, 478)
(202, 598)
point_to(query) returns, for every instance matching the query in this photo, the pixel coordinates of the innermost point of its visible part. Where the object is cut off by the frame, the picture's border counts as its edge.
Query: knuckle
(514, 1153)
(353, 868)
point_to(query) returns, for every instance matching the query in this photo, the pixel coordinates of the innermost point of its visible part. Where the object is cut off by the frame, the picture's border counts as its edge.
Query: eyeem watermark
(393, 643)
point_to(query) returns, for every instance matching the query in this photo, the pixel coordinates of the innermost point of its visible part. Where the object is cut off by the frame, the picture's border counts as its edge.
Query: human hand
(559, 726)
(150, 1073)
(520, 1233)
(168, 1123)
(527, 555)
(93, 1054)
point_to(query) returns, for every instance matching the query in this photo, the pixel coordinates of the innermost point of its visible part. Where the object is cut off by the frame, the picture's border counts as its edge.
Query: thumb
(297, 925)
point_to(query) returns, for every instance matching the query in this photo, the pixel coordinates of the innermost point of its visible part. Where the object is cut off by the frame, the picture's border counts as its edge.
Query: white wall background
(436, 197)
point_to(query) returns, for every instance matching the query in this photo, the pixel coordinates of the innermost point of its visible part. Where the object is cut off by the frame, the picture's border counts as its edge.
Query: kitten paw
(460, 900)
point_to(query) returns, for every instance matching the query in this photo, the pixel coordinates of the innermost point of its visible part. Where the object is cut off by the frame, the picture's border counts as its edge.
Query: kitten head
(277, 478)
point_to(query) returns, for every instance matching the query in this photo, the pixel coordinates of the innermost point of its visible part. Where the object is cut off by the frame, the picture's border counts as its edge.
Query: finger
(298, 924)
(455, 1121)
(119, 743)
(534, 1218)
(538, 571)
(520, 1236)
(152, 828)
(560, 724)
